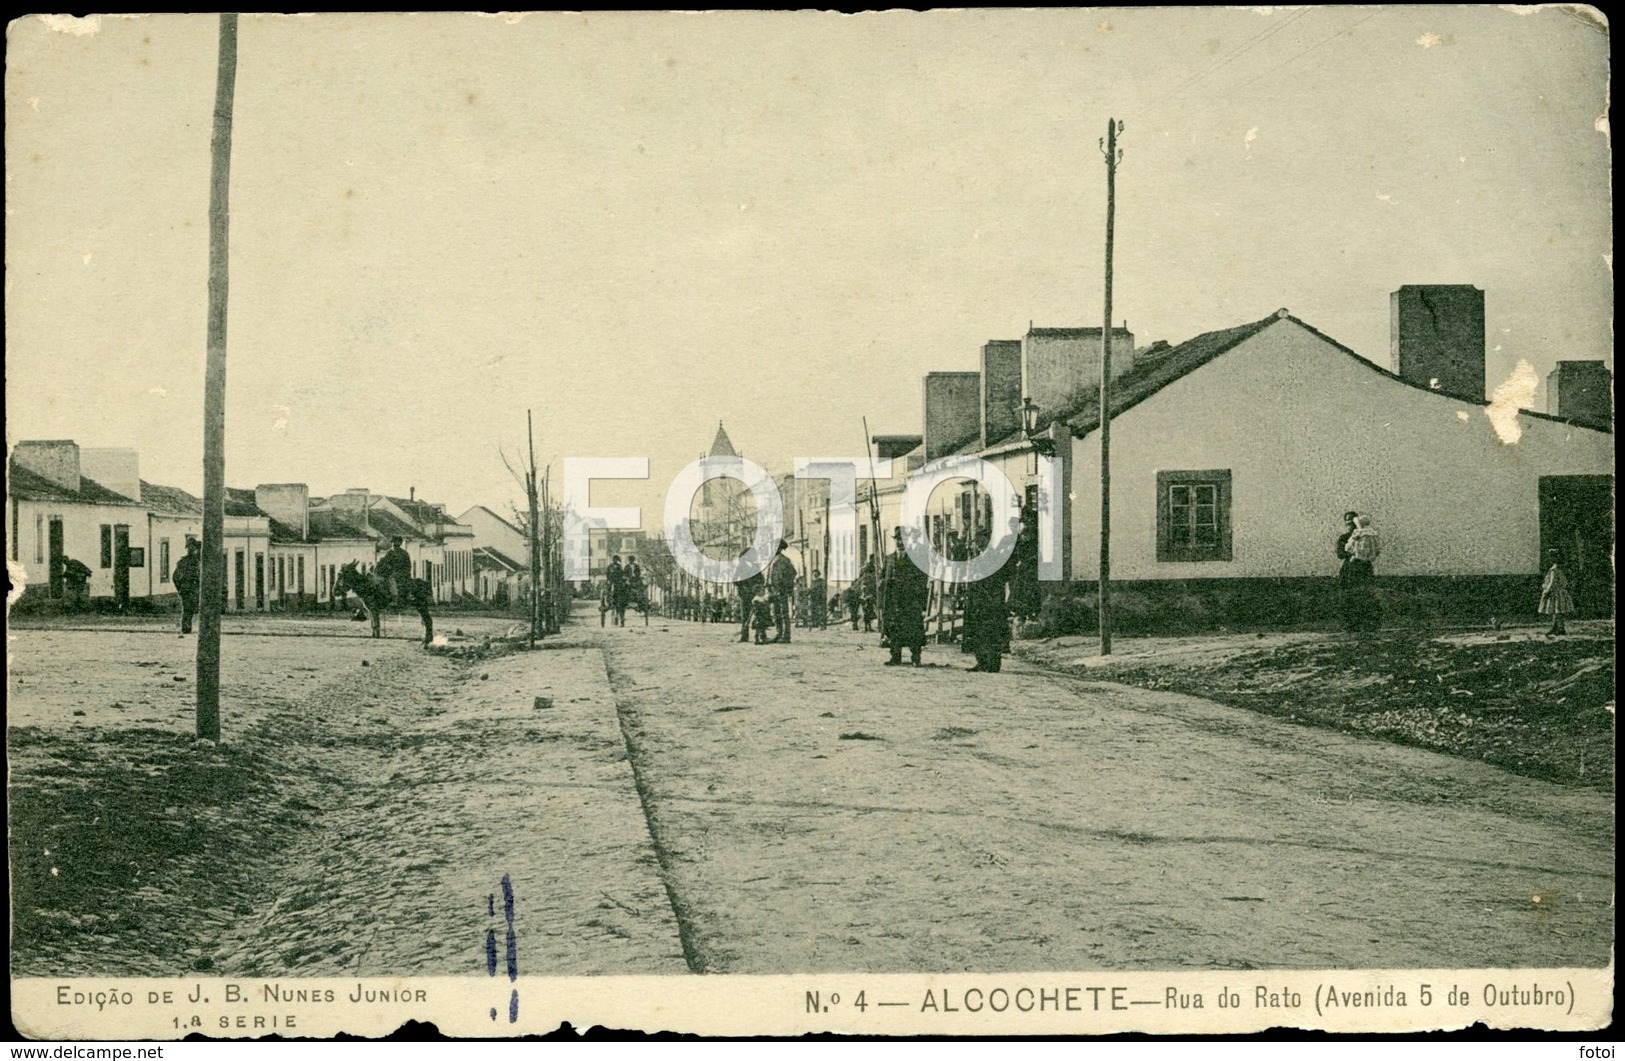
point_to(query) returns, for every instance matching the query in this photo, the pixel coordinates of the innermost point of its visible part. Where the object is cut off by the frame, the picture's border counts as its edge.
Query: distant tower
(1437, 338)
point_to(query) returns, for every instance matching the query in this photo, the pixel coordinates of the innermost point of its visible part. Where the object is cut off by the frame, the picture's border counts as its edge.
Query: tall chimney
(56, 460)
(1063, 364)
(1581, 390)
(1437, 338)
(952, 413)
(1001, 390)
(287, 503)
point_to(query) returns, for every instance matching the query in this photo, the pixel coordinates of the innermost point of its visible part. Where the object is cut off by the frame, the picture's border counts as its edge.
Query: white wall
(81, 540)
(175, 528)
(1309, 432)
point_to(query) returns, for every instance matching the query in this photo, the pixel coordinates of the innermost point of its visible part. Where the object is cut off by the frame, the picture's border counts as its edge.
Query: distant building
(501, 555)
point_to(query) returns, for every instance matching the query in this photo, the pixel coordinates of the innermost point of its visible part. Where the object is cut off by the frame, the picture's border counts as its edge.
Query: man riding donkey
(394, 570)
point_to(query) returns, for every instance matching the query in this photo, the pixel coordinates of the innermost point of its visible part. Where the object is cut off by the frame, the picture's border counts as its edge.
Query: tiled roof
(25, 485)
(1150, 375)
(326, 524)
(170, 500)
(389, 525)
(282, 532)
(241, 502)
(420, 511)
(486, 556)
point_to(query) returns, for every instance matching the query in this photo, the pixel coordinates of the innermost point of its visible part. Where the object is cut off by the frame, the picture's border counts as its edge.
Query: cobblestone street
(663, 798)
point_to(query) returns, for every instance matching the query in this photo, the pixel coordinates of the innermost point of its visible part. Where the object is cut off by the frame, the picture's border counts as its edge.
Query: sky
(638, 225)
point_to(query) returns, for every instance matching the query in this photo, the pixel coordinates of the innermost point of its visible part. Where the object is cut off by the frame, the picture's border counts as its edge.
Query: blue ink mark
(493, 1013)
(513, 1007)
(491, 951)
(513, 957)
(491, 905)
(507, 898)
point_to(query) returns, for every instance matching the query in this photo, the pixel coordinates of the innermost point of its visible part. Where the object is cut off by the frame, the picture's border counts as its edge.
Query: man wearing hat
(903, 596)
(187, 579)
(394, 569)
(781, 584)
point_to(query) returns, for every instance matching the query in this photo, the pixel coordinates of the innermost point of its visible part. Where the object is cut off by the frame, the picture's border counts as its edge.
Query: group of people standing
(622, 588)
(764, 600)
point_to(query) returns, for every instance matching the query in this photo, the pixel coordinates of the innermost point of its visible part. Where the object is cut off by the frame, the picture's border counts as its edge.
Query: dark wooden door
(1577, 520)
(54, 544)
(121, 566)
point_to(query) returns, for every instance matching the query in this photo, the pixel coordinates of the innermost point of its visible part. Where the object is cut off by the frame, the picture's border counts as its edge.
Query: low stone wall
(1179, 606)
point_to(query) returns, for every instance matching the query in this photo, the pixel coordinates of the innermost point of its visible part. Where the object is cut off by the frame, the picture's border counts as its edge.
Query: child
(761, 617)
(1555, 599)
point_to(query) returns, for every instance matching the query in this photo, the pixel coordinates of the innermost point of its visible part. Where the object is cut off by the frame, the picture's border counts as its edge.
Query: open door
(1577, 519)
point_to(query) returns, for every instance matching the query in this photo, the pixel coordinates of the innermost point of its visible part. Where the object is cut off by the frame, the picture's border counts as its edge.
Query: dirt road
(662, 798)
(817, 811)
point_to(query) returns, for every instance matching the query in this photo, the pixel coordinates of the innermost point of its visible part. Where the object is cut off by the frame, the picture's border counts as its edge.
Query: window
(163, 559)
(1193, 516)
(301, 576)
(107, 545)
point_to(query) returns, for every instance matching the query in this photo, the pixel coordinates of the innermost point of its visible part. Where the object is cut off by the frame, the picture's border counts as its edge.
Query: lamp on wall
(1042, 445)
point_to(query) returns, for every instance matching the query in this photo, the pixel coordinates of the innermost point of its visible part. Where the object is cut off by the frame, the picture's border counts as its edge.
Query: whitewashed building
(1235, 454)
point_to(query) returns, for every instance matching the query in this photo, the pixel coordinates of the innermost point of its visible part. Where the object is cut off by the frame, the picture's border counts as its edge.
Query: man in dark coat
(987, 616)
(1025, 596)
(187, 579)
(615, 578)
(904, 592)
(818, 598)
(781, 586)
(395, 569)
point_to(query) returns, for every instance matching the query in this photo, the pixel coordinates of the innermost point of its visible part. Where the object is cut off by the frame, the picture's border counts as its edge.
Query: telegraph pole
(213, 574)
(535, 534)
(1113, 156)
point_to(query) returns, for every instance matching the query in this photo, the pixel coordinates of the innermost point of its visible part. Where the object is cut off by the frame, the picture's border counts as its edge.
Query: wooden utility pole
(1113, 157)
(878, 546)
(213, 573)
(535, 533)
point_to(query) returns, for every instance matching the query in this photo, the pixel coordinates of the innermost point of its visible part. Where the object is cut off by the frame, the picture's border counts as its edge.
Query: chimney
(888, 447)
(952, 411)
(117, 469)
(1001, 390)
(411, 493)
(287, 503)
(1063, 364)
(1436, 336)
(56, 460)
(1582, 391)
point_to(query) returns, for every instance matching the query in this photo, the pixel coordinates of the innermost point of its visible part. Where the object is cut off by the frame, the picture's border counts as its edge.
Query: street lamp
(1043, 446)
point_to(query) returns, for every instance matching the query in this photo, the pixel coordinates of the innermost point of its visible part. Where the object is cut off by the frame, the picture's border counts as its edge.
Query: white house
(55, 512)
(501, 554)
(1235, 454)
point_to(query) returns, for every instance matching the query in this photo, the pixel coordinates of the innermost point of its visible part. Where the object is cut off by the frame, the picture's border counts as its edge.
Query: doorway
(121, 566)
(1577, 520)
(54, 544)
